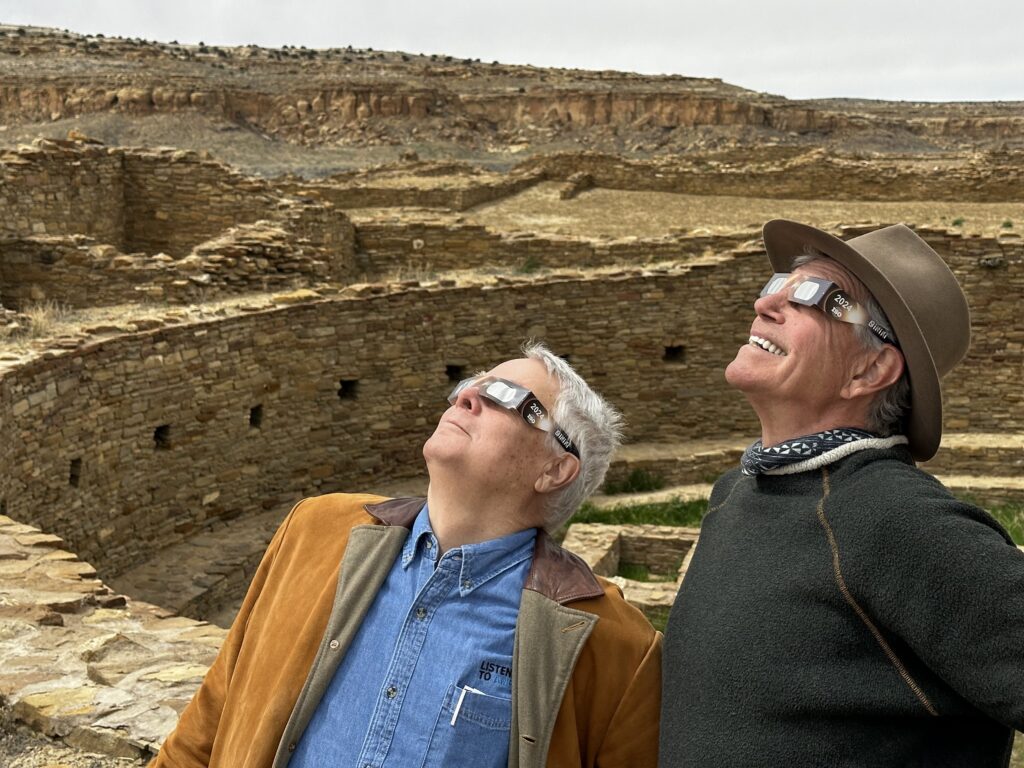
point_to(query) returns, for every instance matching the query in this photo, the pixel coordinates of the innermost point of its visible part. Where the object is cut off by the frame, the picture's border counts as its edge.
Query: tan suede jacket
(586, 665)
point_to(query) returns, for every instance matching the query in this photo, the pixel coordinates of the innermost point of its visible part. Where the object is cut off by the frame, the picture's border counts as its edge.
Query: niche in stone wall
(256, 416)
(675, 354)
(456, 372)
(348, 389)
(75, 473)
(3, 506)
(162, 437)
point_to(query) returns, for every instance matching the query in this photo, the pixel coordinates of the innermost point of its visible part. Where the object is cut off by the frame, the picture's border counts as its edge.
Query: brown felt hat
(920, 296)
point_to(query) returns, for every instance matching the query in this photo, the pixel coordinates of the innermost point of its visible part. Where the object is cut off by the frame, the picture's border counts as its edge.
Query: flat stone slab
(103, 672)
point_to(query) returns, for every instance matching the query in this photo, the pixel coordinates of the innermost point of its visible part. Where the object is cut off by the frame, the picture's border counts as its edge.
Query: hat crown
(925, 284)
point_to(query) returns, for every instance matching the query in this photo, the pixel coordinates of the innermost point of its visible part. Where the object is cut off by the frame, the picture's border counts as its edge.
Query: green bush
(675, 512)
(637, 481)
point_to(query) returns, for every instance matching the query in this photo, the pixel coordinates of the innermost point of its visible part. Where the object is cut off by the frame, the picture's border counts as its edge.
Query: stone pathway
(77, 661)
(205, 576)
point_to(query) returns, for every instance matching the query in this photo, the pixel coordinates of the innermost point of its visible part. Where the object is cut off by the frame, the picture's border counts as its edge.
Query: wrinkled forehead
(531, 374)
(830, 269)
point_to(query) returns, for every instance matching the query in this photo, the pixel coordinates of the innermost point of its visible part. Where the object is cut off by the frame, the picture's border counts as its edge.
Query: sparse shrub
(530, 264)
(1007, 224)
(43, 317)
(958, 221)
(639, 480)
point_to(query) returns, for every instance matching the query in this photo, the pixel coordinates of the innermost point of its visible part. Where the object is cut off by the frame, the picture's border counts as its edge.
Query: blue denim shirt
(427, 680)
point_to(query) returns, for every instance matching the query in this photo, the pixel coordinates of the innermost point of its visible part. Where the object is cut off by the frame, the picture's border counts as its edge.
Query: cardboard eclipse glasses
(829, 298)
(512, 397)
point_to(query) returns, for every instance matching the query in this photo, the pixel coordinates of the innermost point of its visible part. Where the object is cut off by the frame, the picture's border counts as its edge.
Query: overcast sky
(940, 50)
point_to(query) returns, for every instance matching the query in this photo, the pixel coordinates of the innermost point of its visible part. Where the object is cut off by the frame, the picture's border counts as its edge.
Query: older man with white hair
(842, 608)
(446, 631)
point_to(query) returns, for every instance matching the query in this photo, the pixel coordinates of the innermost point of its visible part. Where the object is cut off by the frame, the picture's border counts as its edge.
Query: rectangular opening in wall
(348, 389)
(75, 473)
(675, 354)
(567, 357)
(162, 437)
(3, 506)
(256, 416)
(455, 372)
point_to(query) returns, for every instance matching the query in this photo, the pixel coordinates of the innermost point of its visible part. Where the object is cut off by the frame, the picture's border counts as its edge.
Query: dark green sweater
(856, 615)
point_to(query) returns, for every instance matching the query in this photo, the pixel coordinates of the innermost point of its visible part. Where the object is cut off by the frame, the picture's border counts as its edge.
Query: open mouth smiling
(767, 346)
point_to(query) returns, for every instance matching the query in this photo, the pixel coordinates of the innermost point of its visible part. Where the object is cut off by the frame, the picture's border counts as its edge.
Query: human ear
(879, 370)
(558, 473)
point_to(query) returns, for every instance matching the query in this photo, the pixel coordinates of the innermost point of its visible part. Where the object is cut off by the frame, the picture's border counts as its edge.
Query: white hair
(892, 405)
(589, 421)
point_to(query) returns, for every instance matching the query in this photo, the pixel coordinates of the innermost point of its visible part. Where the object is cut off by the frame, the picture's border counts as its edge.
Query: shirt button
(391, 692)
(291, 747)
(466, 583)
(334, 645)
(429, 544)
(421, 613)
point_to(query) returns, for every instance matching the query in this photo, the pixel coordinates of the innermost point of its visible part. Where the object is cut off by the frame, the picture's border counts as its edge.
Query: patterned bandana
(758, 459)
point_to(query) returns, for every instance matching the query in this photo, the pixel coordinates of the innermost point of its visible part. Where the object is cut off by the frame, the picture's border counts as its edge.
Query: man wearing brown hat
(842, 608)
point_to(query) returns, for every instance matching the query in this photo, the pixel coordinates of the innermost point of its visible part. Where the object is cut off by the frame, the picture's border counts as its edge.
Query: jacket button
(391, 692)
(291, 747)
(334, 645)
(421, 613)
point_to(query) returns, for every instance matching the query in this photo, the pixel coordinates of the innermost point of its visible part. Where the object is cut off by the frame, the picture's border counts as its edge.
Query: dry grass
(44, 318)
(618, 213)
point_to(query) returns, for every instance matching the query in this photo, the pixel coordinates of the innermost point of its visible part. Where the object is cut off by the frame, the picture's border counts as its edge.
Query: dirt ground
(618, 213)
(21, 747)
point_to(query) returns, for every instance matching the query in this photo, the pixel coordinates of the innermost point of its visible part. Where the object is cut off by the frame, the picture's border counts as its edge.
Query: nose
(469, 398)
(770, 307)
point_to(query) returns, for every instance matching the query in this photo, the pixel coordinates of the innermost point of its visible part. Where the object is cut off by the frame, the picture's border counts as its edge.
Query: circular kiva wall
(130, 444)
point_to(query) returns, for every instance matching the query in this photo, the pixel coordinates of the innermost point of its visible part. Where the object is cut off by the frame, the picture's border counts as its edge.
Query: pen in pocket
(458, 705)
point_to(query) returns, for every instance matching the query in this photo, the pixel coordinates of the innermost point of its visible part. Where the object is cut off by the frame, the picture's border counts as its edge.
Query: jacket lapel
(549, 638)
(365, 565)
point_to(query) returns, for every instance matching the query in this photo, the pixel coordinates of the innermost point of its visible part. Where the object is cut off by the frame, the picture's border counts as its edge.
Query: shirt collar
(480, 562)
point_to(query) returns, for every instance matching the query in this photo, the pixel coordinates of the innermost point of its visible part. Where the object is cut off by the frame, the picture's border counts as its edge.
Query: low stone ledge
(77, 662)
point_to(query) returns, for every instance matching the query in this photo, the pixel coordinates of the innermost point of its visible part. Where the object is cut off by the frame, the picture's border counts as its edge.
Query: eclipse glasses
(512, 397)
(829, 298)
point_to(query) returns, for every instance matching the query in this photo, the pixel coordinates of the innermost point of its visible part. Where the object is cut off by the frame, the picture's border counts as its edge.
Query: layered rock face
(356, 96)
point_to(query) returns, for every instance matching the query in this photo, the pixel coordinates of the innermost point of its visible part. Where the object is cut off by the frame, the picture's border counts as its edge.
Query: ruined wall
(812, 175)
(62, 188)
(86, 226)
(175, 200)
(984, 393)
(456, 197)
(386, 246)
(176, 427)
(161, 424)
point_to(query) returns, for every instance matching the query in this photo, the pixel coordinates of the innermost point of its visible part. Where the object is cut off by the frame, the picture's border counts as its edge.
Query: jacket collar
(555, 573)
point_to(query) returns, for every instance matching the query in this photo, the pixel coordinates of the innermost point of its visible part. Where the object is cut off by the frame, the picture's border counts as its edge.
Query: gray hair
(589, 421)
(892, 405)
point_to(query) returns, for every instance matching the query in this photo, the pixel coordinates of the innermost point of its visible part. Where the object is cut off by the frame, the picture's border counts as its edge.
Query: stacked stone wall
(304, 246)
(183, 426)
(984, 393)
(385, 246)
(814, 175)
(175, 200)
(62, 188)
(457, 197)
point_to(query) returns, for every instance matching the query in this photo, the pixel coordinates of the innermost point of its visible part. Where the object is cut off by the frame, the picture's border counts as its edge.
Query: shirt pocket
(472, 729)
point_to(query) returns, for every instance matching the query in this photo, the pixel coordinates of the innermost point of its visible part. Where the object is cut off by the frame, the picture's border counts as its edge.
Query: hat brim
(785, 240)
